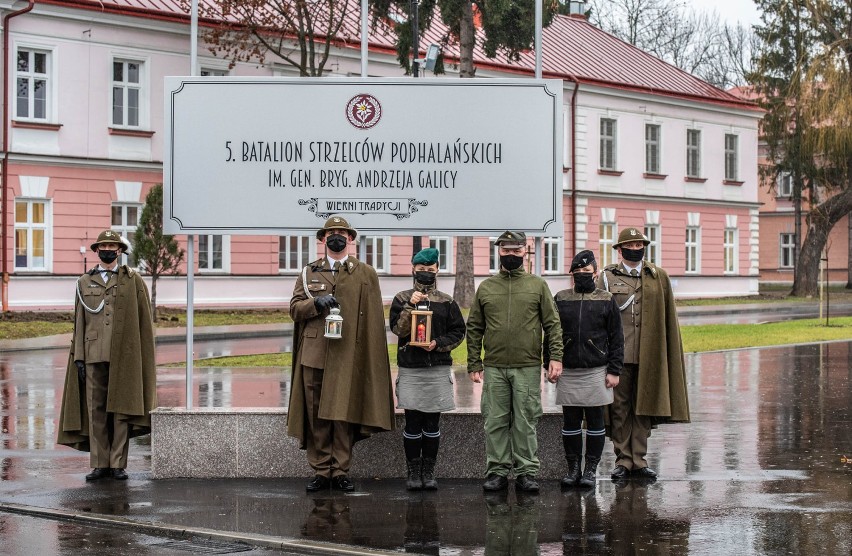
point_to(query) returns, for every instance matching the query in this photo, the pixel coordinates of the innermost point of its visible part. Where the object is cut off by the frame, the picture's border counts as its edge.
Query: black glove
(81, 370)
(324, 302)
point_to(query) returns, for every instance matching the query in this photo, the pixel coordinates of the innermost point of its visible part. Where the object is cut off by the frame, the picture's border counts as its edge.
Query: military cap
(511, 239)
(110, 236)
(428, 256)
(628, 235)
(583, 259)
(336, 223)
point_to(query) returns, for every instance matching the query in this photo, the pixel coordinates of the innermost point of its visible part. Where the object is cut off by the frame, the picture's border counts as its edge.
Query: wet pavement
(760, 470)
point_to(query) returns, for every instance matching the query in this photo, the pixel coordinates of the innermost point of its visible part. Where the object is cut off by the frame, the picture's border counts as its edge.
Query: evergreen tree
(157, 254)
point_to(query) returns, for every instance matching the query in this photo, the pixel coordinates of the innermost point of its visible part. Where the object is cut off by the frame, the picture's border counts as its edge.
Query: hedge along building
(646, 145)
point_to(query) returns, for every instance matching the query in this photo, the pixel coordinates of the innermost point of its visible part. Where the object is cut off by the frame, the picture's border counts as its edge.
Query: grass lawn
(699, 338)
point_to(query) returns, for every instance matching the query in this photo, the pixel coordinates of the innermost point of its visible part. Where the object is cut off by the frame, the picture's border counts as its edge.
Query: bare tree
(298, 32)
(697, 42)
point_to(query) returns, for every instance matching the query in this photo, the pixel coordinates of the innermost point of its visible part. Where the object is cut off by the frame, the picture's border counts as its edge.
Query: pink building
(646, 145)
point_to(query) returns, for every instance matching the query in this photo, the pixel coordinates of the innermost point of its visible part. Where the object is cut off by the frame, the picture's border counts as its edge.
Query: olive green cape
(132, 391)
(356, 384)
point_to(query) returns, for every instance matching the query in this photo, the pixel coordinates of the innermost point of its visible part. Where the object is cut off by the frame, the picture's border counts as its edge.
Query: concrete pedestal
(212, 443)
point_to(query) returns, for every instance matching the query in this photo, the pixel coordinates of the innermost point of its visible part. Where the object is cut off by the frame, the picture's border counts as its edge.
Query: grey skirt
(427, 389)
(583, 388)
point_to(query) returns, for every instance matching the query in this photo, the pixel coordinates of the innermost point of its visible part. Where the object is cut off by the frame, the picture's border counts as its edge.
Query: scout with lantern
(429, 325)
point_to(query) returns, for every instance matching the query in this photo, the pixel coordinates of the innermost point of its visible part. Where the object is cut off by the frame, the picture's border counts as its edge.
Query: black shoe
(119, 474)
(429, 481)
(526, 483)
(495, 482)
(573, 476)
(98, 473)
(414, 480)
(620, 472)
(342, 482)
(318, 483)
(645, 473)
(589, 473)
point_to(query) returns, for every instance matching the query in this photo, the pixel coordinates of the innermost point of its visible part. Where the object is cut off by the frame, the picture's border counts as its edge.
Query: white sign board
(393, 156)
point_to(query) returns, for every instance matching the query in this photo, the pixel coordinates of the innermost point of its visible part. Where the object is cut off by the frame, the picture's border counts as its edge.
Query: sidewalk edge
(164, 529)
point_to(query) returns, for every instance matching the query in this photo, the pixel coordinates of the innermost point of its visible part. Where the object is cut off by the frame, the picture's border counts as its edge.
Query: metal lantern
(333, 324)
(421, 327)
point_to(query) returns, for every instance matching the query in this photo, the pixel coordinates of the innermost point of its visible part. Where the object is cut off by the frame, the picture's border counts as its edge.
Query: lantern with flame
(333, 324)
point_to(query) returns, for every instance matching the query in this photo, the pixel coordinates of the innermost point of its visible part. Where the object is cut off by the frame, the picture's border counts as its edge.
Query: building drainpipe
(574, 164)
(4, 173)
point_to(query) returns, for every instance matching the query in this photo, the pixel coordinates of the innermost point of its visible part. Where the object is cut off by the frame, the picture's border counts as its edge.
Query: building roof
(573, 49)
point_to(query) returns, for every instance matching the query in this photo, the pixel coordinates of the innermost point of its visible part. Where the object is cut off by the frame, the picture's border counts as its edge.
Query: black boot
(429, 482)
(573, 475)
(415, 481)
(589, 473)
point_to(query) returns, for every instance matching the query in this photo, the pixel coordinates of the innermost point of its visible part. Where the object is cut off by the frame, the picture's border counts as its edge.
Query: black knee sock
(412, 446)
(594, 432)
(572, 435)
(431, 440)
(594, 443)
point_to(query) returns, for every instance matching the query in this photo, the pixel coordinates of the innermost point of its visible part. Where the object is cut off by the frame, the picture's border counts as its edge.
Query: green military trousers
(511, 408)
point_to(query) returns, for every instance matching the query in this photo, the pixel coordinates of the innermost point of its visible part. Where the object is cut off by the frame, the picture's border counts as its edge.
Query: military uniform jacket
(512, 314)
(651, 326)
(121, 332)
(357, 382)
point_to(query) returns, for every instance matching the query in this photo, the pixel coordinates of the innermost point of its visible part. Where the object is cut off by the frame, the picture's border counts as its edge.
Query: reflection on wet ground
(759, 470)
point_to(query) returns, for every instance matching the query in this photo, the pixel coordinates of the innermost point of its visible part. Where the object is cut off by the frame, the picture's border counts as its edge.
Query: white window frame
(382, 266)
(650, 144)
(494, 255)
(730, 253)
(29, 226)
(226, 254)
(444, 245)
(126, 229)
(50, 84)
(213, 72)
(693, 153)
(692, 247)
(786, 242)
(303, 257)
(141, 86)
(608, 162)
(732, 157)
(551, 255)
(605, 242)
(784, 187)
(653, 251)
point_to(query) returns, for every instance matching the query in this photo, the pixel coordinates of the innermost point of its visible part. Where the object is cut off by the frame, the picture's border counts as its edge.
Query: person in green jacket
(509, 313)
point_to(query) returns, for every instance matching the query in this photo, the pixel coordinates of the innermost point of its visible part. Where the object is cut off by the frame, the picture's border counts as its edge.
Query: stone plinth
(211, 443)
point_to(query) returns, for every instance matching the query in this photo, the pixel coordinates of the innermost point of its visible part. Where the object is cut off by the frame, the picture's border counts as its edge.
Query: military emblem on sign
(363, 111)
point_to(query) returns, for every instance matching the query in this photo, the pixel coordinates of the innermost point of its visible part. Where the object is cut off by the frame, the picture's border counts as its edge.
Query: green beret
(428, 256)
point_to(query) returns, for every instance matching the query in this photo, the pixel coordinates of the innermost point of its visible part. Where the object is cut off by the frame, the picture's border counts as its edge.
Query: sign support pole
(190, 239)
(538, 18)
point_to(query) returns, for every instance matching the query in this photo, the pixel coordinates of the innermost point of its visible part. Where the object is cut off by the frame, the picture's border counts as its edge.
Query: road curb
(180, 531)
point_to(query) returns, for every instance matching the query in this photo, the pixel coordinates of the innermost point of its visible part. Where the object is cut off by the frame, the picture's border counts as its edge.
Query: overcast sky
(732, 11)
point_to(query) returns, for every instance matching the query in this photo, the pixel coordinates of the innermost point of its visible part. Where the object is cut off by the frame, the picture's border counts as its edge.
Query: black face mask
(336, 242)
(584, 282)
(632, 255)
(511, 262)
(107, 256)
(424, 277)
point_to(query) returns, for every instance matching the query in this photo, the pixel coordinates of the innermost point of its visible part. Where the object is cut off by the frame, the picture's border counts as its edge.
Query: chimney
(577, 9)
